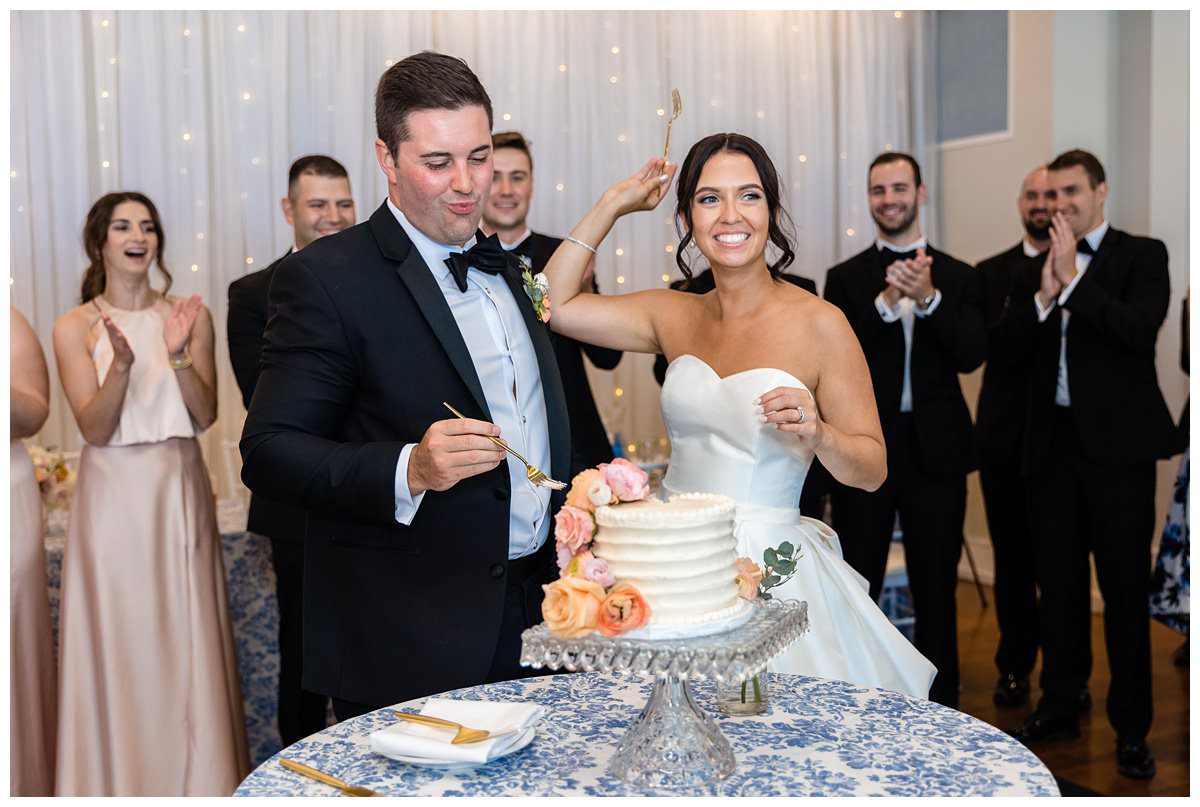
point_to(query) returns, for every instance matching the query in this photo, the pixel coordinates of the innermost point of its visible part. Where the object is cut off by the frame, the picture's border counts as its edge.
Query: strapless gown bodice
(719, 445)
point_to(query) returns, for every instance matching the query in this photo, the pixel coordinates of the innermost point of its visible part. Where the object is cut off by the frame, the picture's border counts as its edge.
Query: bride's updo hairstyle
(689, 179)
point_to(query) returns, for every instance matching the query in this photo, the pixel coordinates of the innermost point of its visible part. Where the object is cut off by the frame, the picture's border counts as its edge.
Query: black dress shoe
(1133, 758)
(1039, 727)
(1085, 701)
(1011, 690)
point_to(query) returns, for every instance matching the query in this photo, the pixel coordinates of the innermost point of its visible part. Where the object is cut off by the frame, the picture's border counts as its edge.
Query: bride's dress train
(719, 446)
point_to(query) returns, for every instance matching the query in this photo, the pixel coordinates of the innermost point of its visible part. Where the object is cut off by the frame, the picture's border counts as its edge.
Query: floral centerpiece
(55, 478)
(586, 597)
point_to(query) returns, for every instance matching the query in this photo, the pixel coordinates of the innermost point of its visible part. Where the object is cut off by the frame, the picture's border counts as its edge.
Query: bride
(763, 377)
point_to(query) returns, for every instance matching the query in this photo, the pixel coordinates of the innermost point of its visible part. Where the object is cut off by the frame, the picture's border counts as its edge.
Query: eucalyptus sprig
(780, 564)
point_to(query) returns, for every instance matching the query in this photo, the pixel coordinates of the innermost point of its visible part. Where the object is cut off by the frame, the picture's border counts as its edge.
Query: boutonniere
(536, 288)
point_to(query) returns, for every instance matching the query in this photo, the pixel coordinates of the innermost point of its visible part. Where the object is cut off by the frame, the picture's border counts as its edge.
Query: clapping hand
(177, 331)
(642, 191)
(1062, 247)
(911, 278)
(122, 352)
(792, 410)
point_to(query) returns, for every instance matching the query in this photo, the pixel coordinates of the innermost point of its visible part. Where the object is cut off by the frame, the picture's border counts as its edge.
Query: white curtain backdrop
(204, 111)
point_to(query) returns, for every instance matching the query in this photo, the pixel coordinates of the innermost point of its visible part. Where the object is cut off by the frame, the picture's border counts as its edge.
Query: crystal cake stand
(672, 743)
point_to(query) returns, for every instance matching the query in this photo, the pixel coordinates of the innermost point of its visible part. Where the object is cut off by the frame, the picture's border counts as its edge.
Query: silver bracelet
(574, 240)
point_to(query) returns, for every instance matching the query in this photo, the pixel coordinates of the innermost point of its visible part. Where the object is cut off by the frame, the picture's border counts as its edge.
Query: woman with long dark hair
(150, 699)
(763, 377)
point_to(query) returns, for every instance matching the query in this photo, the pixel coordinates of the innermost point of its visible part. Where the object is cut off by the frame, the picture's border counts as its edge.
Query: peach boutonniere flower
(536, 288)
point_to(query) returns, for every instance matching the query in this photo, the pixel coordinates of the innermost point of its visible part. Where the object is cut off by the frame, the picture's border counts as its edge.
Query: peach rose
(622, 610)
(749, 575)
(577, 495)
(572, 607)
(576, 566)
(573, 528)
(628, 482)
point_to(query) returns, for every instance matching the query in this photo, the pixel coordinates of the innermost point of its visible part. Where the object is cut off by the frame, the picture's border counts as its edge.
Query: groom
(425, 547)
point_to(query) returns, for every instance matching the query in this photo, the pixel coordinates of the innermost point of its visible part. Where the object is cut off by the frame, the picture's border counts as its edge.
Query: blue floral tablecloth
(250, 587)
(820, 738)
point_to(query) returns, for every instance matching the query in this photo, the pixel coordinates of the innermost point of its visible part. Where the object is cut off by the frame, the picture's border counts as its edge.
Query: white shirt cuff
(406, 503)
(1042, 312)
(937, 299)
(886, 312)
(1062, 298)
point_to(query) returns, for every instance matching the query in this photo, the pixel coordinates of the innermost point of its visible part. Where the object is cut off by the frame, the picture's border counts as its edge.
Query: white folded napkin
(427, 742)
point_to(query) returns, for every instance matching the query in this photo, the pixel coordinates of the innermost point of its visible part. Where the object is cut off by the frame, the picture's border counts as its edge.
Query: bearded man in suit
(918, 315)
(318, 203)
(1085, 319)
(425, 549)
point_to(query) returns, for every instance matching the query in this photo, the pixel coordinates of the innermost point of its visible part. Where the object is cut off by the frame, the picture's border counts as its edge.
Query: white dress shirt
(1062, 392)
(905, 310)
(510, 247)
(494, 331)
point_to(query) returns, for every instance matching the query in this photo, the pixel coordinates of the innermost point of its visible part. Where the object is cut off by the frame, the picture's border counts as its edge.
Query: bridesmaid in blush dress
(31, 644)
(150, 701)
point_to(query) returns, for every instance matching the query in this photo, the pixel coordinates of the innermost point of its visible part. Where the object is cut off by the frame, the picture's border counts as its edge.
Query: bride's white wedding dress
(718, 445)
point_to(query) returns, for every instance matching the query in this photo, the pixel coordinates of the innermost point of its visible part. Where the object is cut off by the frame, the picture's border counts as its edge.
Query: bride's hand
(792, 410)
(642, 191)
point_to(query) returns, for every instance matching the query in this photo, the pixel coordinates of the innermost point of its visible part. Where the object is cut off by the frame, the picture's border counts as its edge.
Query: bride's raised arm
(623, 321)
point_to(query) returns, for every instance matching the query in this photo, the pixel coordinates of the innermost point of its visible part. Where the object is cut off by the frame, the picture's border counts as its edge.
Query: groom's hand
(452, 450)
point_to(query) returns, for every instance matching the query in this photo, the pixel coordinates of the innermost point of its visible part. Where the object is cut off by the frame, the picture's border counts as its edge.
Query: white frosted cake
(680, 554)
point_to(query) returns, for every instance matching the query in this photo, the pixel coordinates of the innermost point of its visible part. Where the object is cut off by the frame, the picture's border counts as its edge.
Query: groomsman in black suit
(425, 544)
(918, 315)
(1085, 319)
(999, 428)
(318, 203)
(505, 215)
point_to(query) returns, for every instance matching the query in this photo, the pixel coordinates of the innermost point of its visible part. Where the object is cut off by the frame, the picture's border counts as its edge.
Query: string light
(103, 23)
(803, 158)
(187, 31)
(186, 72)
(249, 261)
(620, 252)
(245, 96)
(618, 392)
(620, 278)
(666, 278)
(113, 60)
(187, 136)
(195, 268)
(897, 14)
(795, 27)
(104, 94)
(241, 29)
(760, 114)
(620, 138)
(254, 161)
(389, 63)
(12, 174)
(20, 208)
(850, 231)
(615, 50)
(562, 68)
(199, 237)
(559, 187)
(104, 164)
(661, 112)
(669, 248)
(887, 146)
(183, 171)
(506, 116)
(612, 79)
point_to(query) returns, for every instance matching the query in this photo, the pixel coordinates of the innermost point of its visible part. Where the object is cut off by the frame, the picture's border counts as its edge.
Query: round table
(820, 737)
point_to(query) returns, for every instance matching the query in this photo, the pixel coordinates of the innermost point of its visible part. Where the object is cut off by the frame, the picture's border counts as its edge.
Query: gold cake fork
(676, 108)
(532, 472)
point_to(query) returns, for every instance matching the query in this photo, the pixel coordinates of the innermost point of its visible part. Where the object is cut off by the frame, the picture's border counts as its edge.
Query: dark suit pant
(301, 713)
(1015, 585)
(522, 610)
(1079, 507)
(931, 514)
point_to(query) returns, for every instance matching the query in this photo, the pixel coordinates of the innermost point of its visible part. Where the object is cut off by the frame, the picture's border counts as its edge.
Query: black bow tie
(890, 256)
(1084, 247)
(487, 256)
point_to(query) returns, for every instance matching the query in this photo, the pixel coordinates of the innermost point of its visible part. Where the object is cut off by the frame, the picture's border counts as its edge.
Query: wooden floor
(1089, 761)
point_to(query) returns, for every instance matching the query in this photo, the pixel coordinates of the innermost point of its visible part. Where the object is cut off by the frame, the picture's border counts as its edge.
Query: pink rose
(545, 309)
(628, 482)
(572, 607)
(749, 575)
(576, 565)
(622, 610)
(577, 496)
(562, 555)
(596, 570)
(573, 528)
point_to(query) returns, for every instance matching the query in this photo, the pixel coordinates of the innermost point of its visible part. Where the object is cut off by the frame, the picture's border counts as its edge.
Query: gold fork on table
(324, 778)
(676, 108)
(464, 735)
(532, 472)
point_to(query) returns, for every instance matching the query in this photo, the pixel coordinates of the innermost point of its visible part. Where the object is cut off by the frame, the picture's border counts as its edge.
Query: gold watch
(180, 364)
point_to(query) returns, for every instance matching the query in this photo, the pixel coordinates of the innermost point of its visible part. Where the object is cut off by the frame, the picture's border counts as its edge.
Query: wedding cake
(680, 555)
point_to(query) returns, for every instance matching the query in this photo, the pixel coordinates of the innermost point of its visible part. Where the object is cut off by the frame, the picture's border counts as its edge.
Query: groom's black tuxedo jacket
(1116, 310)
(361, 351)
(951, 340)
